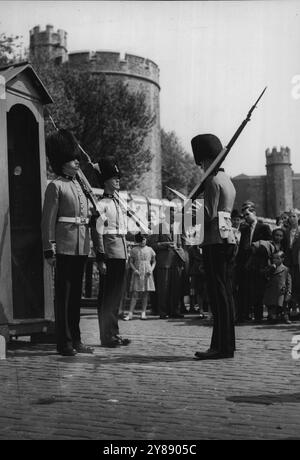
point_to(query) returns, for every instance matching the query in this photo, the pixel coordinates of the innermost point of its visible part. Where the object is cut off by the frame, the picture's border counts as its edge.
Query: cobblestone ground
(154, 389)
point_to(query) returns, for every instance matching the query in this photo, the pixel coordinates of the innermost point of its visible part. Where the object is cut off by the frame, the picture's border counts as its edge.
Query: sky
(215, 58)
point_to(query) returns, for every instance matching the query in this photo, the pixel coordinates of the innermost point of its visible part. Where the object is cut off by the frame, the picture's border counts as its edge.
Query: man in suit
(218, 248)
(251, 282)
(66, 238)
(109, 243)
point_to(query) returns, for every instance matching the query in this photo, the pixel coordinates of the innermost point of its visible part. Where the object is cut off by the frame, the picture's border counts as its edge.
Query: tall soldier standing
(66, 238)
(218, 248)
(111, 253)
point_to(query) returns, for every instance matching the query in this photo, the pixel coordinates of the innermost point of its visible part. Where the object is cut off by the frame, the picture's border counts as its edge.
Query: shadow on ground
(21, 349)
(267, 399)
(294, 327)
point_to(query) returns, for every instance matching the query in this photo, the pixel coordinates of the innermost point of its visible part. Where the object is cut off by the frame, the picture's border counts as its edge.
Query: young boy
(278, 288)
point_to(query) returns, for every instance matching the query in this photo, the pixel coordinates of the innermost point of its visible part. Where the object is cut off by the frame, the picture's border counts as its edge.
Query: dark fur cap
(108, 168)
(205, 146)
(61, 147)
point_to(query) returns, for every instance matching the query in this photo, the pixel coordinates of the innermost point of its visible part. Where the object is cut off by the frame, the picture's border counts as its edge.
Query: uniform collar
(66, 176)
(108, 195)
(280, 268)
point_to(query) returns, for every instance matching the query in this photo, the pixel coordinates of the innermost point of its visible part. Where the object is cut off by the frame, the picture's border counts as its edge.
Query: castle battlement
(111, 61)
(48, 37)
(278, 156)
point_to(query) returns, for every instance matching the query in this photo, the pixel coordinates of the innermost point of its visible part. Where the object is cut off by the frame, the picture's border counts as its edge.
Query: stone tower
(48, 44)
(140, 74)
(279, 181)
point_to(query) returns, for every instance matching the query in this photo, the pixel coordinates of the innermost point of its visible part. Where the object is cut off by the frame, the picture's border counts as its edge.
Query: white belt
(74, 220)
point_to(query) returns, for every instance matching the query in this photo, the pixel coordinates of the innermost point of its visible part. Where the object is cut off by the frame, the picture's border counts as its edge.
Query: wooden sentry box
(26, 282)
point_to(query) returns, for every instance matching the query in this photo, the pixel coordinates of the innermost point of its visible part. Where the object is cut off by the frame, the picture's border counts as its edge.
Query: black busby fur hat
(205, 146)
(108, 168)
(61, 147)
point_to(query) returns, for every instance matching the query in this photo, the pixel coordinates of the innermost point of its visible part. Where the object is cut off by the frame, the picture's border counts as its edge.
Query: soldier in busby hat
(61, 148)
(109, 243)
(66, 238)
(218, 247)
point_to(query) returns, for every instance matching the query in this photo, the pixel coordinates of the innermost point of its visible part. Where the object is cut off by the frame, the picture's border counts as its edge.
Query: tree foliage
(10, 48)
(63, 110)
(115, 122)
(107, 119)
(179, 170)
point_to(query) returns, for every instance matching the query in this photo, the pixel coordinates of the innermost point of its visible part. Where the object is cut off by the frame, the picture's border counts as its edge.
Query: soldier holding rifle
(66, 238)
(219, 241)
(218, 248)
(111, 253)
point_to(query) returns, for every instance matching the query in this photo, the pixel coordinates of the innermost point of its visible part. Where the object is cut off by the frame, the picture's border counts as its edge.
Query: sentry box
(26, 282)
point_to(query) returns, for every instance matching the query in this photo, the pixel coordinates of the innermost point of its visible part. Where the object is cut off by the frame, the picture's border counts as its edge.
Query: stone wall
(252, 188)
(141, 75)
(48, 43)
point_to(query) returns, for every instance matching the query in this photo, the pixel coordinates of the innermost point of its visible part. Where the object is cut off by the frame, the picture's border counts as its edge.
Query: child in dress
(278, 288)
(142, 262)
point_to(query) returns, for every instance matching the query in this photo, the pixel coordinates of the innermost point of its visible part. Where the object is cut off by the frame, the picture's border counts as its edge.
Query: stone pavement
(154, 389)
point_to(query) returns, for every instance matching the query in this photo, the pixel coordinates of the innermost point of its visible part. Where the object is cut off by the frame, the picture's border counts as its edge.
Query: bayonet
(198, 189)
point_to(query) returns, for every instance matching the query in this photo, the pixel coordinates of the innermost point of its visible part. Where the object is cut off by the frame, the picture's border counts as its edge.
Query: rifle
(123, 204)
(89, 191)
(198, 189)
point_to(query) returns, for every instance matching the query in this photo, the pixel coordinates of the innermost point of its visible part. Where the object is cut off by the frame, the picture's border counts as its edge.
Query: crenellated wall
(48, 43)
(274, 193)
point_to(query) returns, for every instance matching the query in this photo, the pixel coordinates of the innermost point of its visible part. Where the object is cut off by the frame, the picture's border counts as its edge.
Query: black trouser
(251, 288)
(110, 296)
(176, 289)
(68, 287)
(217, 264)
(169, 289)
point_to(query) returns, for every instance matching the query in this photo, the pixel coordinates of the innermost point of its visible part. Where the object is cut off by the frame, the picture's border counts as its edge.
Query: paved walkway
(154, 389)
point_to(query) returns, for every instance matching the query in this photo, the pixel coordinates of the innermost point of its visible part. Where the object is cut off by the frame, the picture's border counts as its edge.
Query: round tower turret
(48, 44)
(279, 181)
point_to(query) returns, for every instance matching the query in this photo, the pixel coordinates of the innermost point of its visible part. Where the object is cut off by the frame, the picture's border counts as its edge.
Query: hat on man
(108, 168)
(205, 146)
(248, 205)
(61, 147)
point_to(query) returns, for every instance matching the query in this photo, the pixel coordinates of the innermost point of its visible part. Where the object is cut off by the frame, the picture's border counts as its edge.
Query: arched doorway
(25, 213)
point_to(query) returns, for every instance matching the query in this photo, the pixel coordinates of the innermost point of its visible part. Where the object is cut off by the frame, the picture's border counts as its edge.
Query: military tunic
(219, 195)
(109, 244)
(65, 232)
(64, 198)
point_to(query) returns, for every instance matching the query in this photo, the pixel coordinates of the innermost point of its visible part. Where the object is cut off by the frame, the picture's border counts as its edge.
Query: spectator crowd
(167, 277)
